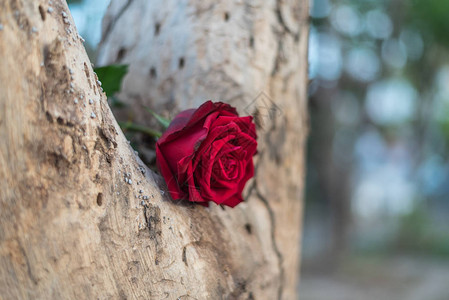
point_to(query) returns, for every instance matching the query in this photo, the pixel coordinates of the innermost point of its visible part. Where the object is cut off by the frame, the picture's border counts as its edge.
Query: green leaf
(139, 128)
(163, 121)
(111, 77)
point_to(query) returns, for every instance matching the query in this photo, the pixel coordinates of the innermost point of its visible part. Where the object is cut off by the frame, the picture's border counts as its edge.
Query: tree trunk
(71, 223)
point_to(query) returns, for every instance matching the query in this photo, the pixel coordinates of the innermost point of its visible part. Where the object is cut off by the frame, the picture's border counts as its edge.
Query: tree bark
(72, 225)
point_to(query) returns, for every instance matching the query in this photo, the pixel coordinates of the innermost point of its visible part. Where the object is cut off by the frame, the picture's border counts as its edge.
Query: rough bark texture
(72, 227)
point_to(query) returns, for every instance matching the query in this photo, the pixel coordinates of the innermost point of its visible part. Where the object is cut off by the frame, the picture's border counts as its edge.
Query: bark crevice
(113, 22)
(276, 250)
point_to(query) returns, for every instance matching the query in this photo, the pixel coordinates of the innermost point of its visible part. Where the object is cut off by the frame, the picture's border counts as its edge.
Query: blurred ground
(376, 278)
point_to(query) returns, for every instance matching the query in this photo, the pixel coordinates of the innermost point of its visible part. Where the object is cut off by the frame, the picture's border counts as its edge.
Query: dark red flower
(206, 154)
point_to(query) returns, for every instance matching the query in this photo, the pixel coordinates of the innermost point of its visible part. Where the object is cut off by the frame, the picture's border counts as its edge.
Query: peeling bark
(72, 227)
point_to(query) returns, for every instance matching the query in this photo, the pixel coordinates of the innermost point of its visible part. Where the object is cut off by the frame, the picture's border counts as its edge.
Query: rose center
(226, 167)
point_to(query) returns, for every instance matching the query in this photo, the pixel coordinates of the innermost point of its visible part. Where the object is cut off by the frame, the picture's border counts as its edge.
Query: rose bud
(206, 154)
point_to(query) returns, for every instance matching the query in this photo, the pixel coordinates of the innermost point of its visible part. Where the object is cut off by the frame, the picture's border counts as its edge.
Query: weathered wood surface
(71, 227)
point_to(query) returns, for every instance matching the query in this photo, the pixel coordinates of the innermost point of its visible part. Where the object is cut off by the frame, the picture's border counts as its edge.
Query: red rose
(206, 154)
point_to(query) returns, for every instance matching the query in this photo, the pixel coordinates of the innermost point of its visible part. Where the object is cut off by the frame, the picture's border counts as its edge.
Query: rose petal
(177, 147)
(233, 201)
(177, 124)
(191, 117)
(170, 179)
(218, 188)
(214, 134)
(183, 146)
(244, 123)
(194, 194)
(206, 154)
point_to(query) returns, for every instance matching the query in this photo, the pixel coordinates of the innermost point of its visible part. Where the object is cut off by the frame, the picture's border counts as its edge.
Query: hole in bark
(49, 117)
(251, 42)
(121, 53)
(250, 296)
(248, 228)
(181, 63)
(86, 71)
(153, 72)
(157, 28)
(258, 118)
(42, 12)
(226, 16)
(60, 121)
(184, 256)
(100, 199)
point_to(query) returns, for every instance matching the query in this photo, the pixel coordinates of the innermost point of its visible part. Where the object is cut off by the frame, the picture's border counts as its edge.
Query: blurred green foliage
(111, 78)
(419, 234)
(433, 16)
(444, 126)
(164, 122)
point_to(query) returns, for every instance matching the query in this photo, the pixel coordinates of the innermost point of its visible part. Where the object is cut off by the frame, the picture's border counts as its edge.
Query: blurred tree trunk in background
(333, 175)
(71, 223)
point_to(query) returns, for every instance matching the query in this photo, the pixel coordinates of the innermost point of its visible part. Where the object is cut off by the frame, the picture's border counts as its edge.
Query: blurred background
(377, 209)
(377, 213)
